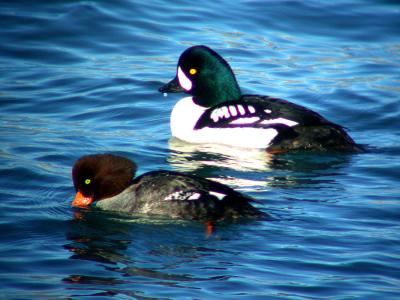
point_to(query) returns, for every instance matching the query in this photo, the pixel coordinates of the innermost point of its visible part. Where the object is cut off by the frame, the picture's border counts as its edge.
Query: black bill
(171, 87)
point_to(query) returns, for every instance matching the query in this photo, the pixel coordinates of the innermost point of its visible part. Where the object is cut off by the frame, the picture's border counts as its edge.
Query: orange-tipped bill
(81, 200)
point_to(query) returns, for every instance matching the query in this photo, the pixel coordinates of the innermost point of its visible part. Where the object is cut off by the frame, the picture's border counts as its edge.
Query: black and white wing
(258, 111)
(185, 187)
(191, 196)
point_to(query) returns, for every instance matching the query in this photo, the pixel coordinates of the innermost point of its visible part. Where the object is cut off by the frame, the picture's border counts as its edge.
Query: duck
(216, 112)
(108, 182)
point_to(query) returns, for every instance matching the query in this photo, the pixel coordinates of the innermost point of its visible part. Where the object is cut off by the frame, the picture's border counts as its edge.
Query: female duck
(217, 112)
(107, 182)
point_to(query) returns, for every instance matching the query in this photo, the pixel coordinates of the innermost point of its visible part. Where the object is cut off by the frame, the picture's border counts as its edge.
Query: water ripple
(82, 77)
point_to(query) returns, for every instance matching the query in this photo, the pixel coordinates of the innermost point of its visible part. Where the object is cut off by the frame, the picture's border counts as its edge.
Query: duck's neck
(124, 202)
(219, 87)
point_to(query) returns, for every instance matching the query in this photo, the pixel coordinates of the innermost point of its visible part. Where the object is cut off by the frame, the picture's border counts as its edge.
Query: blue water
(80, 77)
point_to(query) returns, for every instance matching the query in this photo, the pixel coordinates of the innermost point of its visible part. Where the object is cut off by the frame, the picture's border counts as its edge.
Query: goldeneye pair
(217, 112)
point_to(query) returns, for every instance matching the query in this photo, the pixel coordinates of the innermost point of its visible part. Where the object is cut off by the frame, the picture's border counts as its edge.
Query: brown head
(100, 176)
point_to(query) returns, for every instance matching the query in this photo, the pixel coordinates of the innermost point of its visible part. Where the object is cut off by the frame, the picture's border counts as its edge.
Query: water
(81, 77)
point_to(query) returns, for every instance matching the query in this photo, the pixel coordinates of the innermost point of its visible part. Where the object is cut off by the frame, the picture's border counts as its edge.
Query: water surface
(81, 77)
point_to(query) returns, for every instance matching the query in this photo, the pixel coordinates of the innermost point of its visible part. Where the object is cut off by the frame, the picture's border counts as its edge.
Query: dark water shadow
(131, 255)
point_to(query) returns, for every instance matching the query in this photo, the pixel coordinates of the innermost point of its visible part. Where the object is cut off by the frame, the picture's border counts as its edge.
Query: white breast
(184, 117)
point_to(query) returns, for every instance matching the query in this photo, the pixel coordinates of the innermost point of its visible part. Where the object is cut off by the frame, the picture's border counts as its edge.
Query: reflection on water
(120, 244)
(190, 157)
(81, 77)
(255, 169)
(209, 160)
(95, 237)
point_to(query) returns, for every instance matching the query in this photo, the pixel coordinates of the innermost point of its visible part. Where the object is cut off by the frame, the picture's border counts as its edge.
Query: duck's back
(191, 197)
(296, 127)
(178, 195)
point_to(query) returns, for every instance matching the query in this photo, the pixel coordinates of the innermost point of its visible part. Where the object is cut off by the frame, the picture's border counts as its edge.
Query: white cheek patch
(184, 81)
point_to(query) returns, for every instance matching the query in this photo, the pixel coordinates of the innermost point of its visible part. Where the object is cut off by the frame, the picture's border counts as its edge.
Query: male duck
(217, 112)
(107, 181)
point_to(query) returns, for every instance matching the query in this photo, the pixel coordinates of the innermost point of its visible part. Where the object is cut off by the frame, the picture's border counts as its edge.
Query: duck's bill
(171, 87)
(81, 201)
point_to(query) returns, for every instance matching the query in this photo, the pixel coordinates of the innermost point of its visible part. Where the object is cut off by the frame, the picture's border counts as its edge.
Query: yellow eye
(88, 181)
(192, 71)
